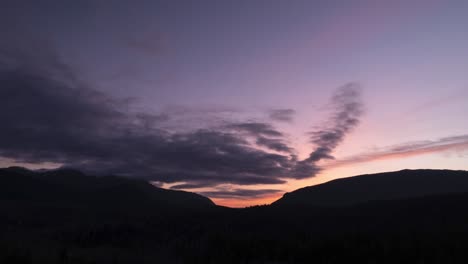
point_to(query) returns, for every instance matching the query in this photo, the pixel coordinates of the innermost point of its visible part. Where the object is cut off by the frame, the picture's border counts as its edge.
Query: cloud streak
(347, 109)
(282, 115)
(256, 129)
(454, 143)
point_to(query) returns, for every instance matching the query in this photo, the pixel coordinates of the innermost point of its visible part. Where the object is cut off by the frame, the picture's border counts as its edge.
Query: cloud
(451, 98)
(48, 120)
(409, 149)
(195, 185)
(49, 115)
(256, 129)
(282, 115)
(273, 144)
(347, 110)
(264, 135)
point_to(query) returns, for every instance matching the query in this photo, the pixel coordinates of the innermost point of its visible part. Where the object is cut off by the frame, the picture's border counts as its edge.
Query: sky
(240, 101)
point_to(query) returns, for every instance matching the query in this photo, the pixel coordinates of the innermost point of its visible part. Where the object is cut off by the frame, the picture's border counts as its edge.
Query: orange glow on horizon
(241, 203)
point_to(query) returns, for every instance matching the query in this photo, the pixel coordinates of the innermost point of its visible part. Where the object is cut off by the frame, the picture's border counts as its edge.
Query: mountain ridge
(120, 221)
(379, 186)
(74, 186)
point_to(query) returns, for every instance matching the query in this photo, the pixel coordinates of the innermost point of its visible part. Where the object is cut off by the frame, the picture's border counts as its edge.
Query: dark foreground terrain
(65, 216)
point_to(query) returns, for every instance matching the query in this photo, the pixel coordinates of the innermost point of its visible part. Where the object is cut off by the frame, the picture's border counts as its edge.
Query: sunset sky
(240, 101)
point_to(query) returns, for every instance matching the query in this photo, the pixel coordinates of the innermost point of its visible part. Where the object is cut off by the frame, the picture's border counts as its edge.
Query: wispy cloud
(256, 129)
(282, 115)
(409, 149)
(273, 144)
(457, 96)
(348, 109)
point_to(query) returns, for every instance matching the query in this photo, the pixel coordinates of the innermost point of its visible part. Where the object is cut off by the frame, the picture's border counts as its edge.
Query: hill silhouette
(65, 216)
(402, 184)
(71, 187)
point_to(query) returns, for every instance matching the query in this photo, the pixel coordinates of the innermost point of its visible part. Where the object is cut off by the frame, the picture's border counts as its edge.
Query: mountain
(65, 216)
(72, 188)
(402, 184)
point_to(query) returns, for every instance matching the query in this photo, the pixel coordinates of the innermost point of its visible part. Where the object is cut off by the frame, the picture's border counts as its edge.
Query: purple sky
(210, 64)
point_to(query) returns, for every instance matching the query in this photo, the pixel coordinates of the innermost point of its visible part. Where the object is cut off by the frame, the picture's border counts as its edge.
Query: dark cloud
(49, 120)
(273, 144)
(149, 121)
(256, 129)
(190, 186)
(241, 193)
(282, 115)
(49, 115)
(264, 135)
(347, 111)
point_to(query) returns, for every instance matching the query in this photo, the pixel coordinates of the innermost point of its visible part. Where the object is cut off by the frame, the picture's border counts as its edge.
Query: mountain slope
(382, 186)
(71, 187)
(398, 217)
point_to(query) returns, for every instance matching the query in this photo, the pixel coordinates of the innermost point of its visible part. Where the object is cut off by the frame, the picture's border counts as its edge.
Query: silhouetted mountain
(72, 187)
(375, 187)
(65, 216)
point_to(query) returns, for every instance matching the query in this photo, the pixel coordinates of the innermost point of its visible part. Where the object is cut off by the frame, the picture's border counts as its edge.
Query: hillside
(72, 188)
(65, 216)
(381, 186)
